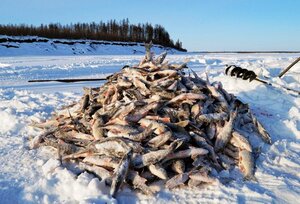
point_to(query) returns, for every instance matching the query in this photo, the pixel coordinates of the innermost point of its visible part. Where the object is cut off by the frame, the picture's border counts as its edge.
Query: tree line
(110, 31)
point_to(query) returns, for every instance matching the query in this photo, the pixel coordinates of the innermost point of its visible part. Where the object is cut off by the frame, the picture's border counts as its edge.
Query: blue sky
(206, 25)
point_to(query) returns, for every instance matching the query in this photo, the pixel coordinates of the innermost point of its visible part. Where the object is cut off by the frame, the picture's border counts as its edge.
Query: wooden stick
(277, 85)
(66, 80)
(289, 67)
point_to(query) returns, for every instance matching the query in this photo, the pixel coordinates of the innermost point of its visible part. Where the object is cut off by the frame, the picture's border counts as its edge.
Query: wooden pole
(67, 80)
(289, 67)
(276, 85)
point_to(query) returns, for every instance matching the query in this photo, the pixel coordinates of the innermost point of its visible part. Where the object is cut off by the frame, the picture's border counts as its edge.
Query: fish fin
(250, 178)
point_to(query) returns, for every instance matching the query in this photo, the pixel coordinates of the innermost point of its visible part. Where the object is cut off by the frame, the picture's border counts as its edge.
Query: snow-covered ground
(34, 176)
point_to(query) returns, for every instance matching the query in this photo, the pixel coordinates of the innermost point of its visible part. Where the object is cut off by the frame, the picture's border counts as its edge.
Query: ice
(35, 176)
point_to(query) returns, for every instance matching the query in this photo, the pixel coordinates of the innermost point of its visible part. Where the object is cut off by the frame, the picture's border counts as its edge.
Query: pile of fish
(155, 121)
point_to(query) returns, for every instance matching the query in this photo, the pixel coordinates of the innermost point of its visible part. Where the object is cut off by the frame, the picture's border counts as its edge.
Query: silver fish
(240, 141)
(36, 141)
(227, 162)
(141, 85)
(194, 183)
(138, 137)
(112, 147)
(191, 152)
(178, 166)
(184, 96)
(99, 171)
(160, 140)
(211, 130)
(224, 136)
(202, 175)
(142, 112)
(201, 142)
(120, 173)
(246, 164)
(219, 96)
(158, 126)
(139, 182)
(158, 171)
(161, 58)
(154, 156)
(260, 128)
(85, 102)
(212, 117)
(102, 160)
(177, 180)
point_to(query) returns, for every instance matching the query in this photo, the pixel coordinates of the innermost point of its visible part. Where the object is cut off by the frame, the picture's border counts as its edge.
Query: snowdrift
(33, 45)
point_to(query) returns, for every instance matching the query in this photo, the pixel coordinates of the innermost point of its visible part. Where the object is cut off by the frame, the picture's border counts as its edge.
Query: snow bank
(18, 46)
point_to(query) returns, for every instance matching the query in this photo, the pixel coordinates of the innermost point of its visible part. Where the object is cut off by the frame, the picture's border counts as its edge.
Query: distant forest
(110, 31)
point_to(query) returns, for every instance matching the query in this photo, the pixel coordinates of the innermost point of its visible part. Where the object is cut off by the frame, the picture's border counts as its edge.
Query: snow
(80, 47)
(36, 176)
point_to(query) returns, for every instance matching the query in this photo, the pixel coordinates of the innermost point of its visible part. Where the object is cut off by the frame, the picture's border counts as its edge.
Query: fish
(158, 171)
(196, 110)
(85, 102)
(46, 124)
(173, 86)
(194, 183)
(184, 96)
(211, 131)
(177, 180)
(102, 160)
(111, 147)
(138, 137)
(161, 58)
(226, 161)
(92, 109)
(124, 82)
(246, 164)
(160, 139)
(178, 166)
(100, 172)
(191, 152)
(139, 182)
(61, 146)
(142, 112)
(219, 96)
(261, 130)
(190, 84)
(158, 127)
(73, 134)
(155, 156)
(125, 110)
(36, 141)
(121, 128)
(224, 136)
(201, 142)
(212, 117)
(201, 175)
(240, 141)
(231, 153)
(196, 78)
(142, 86)
(120, 173)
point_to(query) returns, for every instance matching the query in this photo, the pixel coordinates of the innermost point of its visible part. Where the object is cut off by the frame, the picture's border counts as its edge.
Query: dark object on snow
(67, 80)
(239, 72)
(232, 70)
